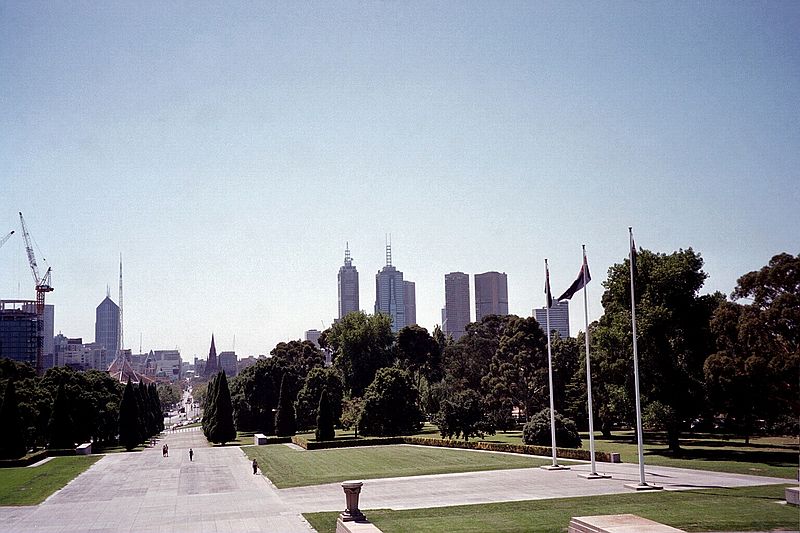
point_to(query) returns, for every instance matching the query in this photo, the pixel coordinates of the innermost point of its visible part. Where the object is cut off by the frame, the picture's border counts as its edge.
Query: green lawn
(739, 509)
(764, 456)
(30, 486)
(291, 468)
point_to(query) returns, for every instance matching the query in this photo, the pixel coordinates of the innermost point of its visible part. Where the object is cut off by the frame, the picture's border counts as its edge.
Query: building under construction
(21, 331)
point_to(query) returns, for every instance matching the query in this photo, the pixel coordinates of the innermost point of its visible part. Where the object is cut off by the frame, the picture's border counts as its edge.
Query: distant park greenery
(707, 362)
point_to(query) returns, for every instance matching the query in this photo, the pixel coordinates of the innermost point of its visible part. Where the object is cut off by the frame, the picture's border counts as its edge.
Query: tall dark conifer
(209, 407)
(285, 424)
(60, 429)
(129, 429)
(12, 444)
(222, 428)
(325, 430)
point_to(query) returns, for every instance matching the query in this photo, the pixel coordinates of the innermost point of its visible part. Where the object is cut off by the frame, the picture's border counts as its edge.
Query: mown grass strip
(32, 485)
(735, 509)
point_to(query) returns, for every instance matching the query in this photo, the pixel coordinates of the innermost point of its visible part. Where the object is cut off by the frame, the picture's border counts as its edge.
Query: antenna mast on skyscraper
(388, 249)
(348, 261)
(120, 344)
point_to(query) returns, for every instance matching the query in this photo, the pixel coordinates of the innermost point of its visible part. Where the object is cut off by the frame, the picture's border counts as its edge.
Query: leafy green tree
(419, 353)
(12, 444)
(361, 345)
(319, 379)
(674, 338)
(301, 356)
(255, 391)
(285, 424)
(129, 428)
(351, 414)
(324, 429)
(463, 415)
(169, 395)
(517, 374)
(222, 428)
(537, 431)
(390, 405)
(467, 361)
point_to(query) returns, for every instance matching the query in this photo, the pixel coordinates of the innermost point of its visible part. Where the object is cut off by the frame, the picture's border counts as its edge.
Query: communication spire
(121, 343)
(348, 261)
(388, 249)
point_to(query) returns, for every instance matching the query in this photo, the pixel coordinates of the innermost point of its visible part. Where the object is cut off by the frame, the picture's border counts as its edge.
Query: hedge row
(25, 460)
(345, 443)
(564, 453)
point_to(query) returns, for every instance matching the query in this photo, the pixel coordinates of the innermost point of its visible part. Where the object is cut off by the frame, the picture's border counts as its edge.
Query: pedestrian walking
(164, 451)
(255, 467)
(191, 455)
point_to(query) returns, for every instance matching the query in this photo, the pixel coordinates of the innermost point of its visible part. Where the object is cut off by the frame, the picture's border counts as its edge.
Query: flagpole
(584, 269)
(639, 438)
(548, 303)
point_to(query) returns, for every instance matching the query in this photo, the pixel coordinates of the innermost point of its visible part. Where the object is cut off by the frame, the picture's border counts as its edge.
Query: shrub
(537, 431)
(325, 429)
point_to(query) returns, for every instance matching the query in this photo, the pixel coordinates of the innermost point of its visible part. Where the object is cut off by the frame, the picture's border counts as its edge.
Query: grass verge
(286, 467)
(737, 509)
(31, 486)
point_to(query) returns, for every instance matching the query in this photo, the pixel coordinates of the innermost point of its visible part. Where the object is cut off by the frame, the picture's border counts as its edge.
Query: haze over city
(229, 152)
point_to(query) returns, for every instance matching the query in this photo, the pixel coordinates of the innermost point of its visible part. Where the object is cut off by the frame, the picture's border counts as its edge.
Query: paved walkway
(217, 492)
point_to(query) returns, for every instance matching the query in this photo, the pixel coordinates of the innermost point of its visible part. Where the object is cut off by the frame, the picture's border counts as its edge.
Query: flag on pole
(547, 286)
(579, 282)
(633, 254)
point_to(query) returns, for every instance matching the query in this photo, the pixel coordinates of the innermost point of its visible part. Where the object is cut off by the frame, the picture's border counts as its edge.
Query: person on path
(255, 467)
(164, 451)
(191, 455)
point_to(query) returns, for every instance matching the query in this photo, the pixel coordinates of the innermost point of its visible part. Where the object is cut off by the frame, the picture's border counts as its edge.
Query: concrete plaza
(217, 492)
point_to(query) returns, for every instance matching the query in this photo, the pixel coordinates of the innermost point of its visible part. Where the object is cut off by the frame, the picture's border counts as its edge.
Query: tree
(319, 379)
(209, 407)
(169, 395)
(673, 328)
(351, 413)
(467, 361)
(12, 444)
(390, 405)
(255, 391)
(129, 430)
(325, 429)
(285, 424)
(60, 429)
(419, 353)
(301, 356)
(752, 373)
(361, 345)
(222, 429)
(537, 431)
(463, 415)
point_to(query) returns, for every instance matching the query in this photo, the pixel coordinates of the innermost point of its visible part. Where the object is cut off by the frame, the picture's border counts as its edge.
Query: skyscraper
(456, 304)
(390, 293)
(348, 285)
(212, 366)
(491, 294)
(410, 297)
(106, 326)
(559, 317)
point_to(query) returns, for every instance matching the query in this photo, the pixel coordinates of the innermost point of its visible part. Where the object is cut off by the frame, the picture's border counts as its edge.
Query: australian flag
(547, 286)
(579, 283)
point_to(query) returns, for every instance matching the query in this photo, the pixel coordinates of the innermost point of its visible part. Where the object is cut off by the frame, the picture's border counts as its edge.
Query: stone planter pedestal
(352, 490)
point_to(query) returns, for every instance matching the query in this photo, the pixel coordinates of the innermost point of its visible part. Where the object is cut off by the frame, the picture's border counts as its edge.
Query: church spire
(211, 362)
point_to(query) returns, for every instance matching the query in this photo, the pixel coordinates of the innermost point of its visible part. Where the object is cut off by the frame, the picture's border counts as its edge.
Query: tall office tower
(106, 326)
(410, 297)
(312, 335)
(559, 317)
(390, 293)
(456, 304)
(20, 331)
(491, 294)
(211, 363)
(348, 285)
(228, 362)
(48, 330)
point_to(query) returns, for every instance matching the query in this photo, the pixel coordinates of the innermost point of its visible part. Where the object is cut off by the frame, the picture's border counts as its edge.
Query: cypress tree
(285, 424)
(12, 445)
(222, 429)
(325, 429)
(155, 406)
(60, 428)
(209, 407)
(129, 430)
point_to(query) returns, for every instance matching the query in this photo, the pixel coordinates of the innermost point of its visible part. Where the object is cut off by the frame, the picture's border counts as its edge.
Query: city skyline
(229, 154)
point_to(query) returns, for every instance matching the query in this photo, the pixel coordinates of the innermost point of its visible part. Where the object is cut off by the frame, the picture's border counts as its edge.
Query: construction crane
(42, 288)
(4, 239)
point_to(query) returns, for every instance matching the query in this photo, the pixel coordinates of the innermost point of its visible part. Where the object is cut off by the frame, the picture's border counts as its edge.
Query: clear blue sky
(229, 151)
